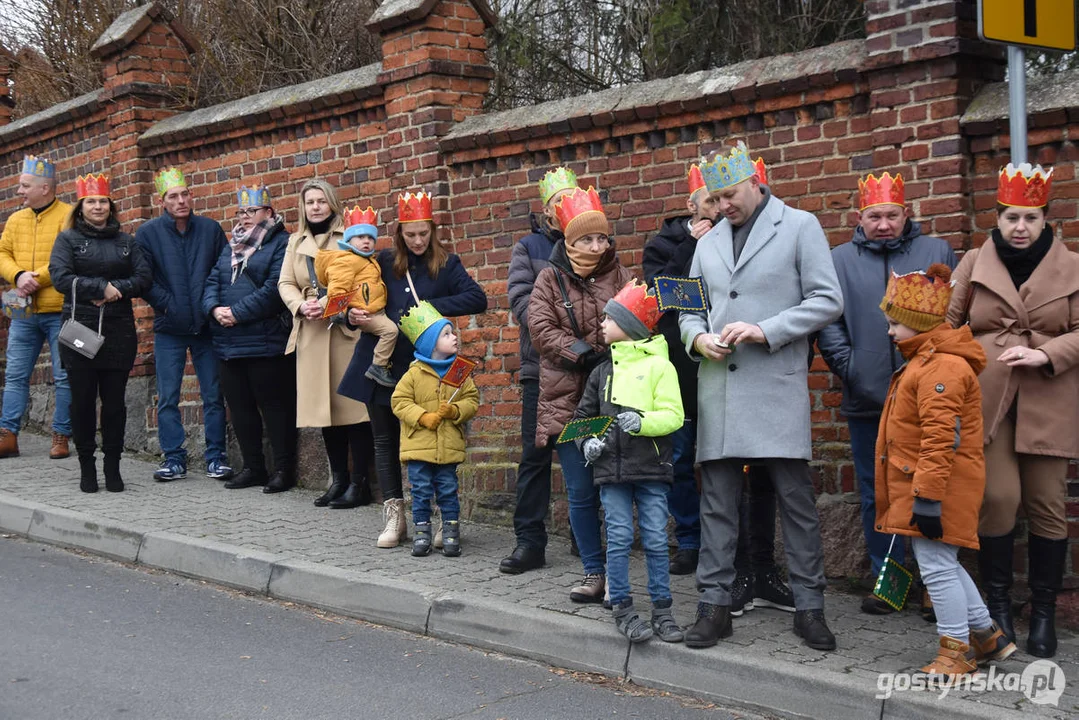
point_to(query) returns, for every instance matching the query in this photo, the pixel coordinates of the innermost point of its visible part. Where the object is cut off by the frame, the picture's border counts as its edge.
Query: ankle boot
(1046, 573)
(356, 495)
(113, 481)
(87, 474)
(713, 623)
(995, 571)
(282, 480)
(337, 489)
(421, 543)
(451, 538)
(396, 530)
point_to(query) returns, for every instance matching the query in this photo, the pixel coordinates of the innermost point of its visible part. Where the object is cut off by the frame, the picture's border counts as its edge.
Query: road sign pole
(1017, 103)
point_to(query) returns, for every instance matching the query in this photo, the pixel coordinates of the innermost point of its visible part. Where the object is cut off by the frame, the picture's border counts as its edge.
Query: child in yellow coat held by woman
(433, 414)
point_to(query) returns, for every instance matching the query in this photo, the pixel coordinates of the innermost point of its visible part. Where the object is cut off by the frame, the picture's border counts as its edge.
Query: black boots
(246, 478)
(995, 569)
(337, 489)
(113, 481)
(1046, 572)
(357, 494)
(283, 479)
(87, 473)
(684, 562)
(713, 622)
(522, 559)
(811, 626)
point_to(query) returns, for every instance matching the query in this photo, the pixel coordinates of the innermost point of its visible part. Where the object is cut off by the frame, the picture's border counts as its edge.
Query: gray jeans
(956, 599)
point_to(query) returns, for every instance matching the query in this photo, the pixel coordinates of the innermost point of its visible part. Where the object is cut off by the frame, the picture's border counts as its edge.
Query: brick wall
(912, 97)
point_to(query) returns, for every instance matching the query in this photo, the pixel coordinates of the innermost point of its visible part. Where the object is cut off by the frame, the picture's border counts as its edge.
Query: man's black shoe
(684, 562)
(522, 559)
(811, 627)
(713, 623)
(245, 479)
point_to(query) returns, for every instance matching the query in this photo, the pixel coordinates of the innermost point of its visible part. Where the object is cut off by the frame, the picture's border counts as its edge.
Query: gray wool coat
(755, 403)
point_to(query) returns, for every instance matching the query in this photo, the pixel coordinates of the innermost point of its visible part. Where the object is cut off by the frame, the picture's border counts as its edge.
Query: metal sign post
(1017, 103)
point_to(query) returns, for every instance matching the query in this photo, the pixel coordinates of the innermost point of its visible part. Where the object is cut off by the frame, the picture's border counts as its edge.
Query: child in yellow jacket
(354, 267)
(432, 416)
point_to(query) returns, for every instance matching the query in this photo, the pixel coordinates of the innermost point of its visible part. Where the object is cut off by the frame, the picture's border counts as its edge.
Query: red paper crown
(413, 208)
(577, 203)
(355, 216)
(92, 186)
(696, 180)
(639, 300)
(885, 191)
(1026, 186)
(762, 171)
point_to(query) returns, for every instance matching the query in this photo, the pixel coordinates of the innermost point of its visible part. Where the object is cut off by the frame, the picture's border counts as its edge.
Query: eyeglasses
(248, 211)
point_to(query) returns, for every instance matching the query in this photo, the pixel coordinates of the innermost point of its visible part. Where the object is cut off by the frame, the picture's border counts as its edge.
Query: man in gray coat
(857, 347)
(770, 284)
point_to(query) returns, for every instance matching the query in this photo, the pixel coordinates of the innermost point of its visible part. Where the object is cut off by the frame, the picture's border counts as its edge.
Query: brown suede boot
(9, 444)
(954, 658)
(59, 449)
(991, 644)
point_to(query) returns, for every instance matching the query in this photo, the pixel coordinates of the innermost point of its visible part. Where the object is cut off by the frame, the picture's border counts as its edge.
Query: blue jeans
(583, 506)
(863, 443)
(170, 357)
(651, 500)
(25, 339)
(440, 481)
(685, 501)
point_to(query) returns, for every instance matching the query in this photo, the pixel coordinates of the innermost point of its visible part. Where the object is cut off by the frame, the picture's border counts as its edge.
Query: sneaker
(590, 590)
(769, 590)
(170, 470)
(381, 376)
(741, 594)
(218, 470)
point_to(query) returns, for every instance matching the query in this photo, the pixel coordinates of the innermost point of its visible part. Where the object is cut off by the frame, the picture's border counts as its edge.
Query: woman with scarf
(416, 268)
(99, 269)
(1020, 294)
(323, 348)
(565, 313)
(250, 328)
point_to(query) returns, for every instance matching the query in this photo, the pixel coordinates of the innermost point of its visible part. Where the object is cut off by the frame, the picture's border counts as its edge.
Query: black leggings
(87, 384)
(339, 439)
(387, 450)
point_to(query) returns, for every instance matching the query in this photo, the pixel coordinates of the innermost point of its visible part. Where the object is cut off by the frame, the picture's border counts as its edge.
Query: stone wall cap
(130, 25)
(1045, 93)
(392, 13)
(362, 82)
(76, 107)
(665, 92)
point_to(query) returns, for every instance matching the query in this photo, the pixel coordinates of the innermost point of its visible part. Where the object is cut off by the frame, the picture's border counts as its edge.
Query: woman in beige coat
(1020, 294)
(323, 350)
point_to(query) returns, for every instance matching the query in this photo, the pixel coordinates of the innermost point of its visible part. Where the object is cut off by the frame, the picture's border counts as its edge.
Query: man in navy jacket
(183, 248)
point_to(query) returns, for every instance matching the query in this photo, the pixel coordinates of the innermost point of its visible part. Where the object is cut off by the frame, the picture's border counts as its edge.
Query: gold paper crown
(417, 319)
(556, 181)
(919, 300)
(168, 179)
(38, 167)
(726, 170)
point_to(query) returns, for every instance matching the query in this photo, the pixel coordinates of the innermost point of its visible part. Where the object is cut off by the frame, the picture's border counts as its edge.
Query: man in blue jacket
(857, 347)
(183, 248)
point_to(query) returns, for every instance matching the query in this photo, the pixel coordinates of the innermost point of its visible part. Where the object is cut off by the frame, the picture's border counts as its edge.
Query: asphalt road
(83, 638)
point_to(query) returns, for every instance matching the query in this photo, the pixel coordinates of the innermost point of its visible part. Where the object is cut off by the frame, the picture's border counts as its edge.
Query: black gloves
(928, 525)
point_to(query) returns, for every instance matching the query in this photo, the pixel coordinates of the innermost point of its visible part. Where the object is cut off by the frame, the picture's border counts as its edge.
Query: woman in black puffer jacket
(101, 269)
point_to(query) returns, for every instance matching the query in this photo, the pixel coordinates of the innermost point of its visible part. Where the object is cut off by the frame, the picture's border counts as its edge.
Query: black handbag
(76, 336)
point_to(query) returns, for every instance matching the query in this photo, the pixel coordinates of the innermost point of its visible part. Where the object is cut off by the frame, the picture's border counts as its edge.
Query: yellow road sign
(1033, 23)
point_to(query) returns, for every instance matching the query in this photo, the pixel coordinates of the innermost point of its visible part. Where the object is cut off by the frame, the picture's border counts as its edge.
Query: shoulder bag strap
(566, 303)
(415, 295)
(74, 282)
(319, 290)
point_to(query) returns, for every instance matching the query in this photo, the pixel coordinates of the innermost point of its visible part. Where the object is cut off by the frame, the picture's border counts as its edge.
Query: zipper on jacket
(887, 277)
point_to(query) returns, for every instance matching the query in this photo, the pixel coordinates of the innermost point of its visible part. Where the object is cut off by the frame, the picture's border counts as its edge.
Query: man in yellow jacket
(25, 249)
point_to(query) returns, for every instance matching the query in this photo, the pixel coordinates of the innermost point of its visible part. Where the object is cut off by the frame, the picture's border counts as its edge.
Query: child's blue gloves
(927, 517)
(592, 449)
(629, 421)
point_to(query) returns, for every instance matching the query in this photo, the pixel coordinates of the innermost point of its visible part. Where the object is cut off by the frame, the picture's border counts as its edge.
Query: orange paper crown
(885, 191)
(639, 300)
(91, 186)
(762, 171)
(413, 208)
(576, 204)
(696, 180)
(919, 300)
(355, 216)
(1026, 186)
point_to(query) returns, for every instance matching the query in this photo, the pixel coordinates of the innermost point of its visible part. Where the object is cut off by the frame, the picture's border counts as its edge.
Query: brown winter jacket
(930, 440)
(1042, 314)
(561, 379)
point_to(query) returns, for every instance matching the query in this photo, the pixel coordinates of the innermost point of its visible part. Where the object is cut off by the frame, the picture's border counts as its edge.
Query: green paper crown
(556, 180)
(418, 319)
(168, 179)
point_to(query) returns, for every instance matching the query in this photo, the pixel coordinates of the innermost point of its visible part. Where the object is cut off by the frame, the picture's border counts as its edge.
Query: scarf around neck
(1022, 262)
(245, 242)
(584, 262)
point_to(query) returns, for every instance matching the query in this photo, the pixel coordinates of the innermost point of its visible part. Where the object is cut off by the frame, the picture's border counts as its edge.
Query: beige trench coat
(322, 352)
(1042, 314)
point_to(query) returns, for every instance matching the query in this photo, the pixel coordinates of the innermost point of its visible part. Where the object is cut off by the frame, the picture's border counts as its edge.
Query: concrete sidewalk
(283, 546)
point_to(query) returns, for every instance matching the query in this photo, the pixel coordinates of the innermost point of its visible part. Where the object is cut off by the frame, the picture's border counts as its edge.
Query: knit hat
(425, 343)
(635, 310)
(919, 300)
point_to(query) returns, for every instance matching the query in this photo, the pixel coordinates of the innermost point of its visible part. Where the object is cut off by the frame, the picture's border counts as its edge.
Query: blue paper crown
(258, 196)
(38, 167)
(723, 171)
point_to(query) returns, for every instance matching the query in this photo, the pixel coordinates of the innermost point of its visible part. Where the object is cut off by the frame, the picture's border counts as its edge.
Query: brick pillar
(147, 75)
(7, 104)
(924, 64)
